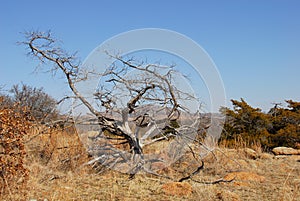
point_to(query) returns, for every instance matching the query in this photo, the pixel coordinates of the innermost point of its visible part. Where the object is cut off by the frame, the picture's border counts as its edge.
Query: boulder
(266, 156)
(177, 188)
(250, 153)
(226, 195)
(244, 176)
(286, 151)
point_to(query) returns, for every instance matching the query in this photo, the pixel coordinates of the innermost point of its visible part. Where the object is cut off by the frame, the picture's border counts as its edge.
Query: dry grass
(240, 143)
(57, 173)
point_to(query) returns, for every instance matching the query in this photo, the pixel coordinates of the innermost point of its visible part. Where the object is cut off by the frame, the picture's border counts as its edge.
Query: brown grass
(56, 159)
(240, 143)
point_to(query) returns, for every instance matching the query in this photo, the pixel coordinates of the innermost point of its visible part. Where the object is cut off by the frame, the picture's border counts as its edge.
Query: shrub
(41, 105)
(278, 127)
(13, 128)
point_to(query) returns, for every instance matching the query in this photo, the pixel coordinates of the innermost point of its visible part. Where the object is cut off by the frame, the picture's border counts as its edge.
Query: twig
(213, 182)
(193, 173)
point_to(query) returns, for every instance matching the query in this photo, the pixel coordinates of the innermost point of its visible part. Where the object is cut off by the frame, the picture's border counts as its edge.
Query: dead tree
(138, 105)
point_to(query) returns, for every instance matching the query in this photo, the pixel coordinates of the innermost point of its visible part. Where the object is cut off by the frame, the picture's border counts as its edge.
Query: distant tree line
(280, 126)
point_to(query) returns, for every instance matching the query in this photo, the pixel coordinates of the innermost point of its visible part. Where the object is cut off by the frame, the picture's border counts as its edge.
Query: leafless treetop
(136, 102)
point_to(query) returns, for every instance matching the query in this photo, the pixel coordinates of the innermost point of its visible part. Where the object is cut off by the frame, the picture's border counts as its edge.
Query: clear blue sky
(255, 44)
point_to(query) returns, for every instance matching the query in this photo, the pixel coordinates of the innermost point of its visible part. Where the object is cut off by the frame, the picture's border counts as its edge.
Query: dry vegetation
(14, 127)
(55, 160)
(39, 162)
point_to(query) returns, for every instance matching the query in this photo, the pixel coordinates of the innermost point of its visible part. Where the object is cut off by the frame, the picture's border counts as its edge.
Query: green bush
(279, 127)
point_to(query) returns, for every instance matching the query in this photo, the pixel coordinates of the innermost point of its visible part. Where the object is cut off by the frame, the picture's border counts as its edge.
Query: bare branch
(137, 105)
(42, 46)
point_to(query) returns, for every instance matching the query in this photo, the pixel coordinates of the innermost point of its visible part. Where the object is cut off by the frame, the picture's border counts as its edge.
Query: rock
(281, 157)
(244, 176)
(177, 188)
(240, 183)
(285, 151)
(250, 153)
(226, 195)
(288, 157)
(266, 156)
(295, 158)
